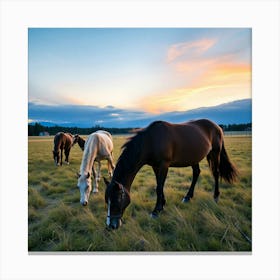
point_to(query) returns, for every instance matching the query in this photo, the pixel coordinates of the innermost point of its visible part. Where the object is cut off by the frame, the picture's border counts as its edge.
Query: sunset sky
(153, 70)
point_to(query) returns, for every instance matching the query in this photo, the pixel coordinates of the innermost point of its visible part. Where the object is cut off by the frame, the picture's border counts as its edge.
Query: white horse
(81, 142)
(99, 146)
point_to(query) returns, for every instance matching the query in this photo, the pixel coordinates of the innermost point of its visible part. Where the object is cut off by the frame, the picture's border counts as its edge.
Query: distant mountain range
(235, 112)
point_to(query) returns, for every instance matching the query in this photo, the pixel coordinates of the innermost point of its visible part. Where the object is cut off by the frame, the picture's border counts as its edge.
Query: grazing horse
(62, 141)
(78, 139)
(99, 146)
(81, 142)
(163, 145)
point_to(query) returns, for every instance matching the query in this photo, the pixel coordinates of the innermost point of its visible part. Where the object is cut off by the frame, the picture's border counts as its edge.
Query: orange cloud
(207, 77)
(214, 82)
(194, 48)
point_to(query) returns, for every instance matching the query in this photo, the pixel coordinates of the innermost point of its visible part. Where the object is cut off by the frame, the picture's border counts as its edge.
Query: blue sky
(149, 70)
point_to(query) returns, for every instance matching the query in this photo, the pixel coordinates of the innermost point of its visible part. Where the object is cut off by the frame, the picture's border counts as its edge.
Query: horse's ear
(88, 175)
(106, 181)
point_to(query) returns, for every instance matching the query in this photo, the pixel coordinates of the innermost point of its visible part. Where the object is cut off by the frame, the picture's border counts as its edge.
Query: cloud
(83, 116)
(208, 74)
(89, 116)
(189, 49)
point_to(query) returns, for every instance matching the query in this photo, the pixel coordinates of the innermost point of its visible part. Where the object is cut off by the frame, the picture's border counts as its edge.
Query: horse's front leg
(98, 171)
(95, 181)
(196, 172)
(161, 173)
(61, 154)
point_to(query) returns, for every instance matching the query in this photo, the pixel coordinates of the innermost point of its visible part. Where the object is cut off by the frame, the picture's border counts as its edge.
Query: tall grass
(57, 221)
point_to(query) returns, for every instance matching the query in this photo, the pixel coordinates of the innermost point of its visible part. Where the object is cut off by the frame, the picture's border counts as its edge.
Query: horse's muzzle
(85, 203)
(115, 223)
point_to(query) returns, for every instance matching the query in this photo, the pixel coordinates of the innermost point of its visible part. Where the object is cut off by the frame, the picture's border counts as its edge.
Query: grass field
(57, 221)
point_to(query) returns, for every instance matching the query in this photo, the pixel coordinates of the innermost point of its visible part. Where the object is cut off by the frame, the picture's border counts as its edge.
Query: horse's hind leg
(196, 172)
(213, 159)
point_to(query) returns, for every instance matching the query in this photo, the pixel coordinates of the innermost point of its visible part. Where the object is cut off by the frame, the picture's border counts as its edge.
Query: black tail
(227, 169)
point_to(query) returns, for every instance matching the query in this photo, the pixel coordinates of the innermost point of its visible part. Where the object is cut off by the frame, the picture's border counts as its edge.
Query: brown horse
(62, 141)
(163, 145)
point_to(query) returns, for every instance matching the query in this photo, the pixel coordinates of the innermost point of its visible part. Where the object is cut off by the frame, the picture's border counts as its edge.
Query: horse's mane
(88, 155)
(135, 139)
(131, 150)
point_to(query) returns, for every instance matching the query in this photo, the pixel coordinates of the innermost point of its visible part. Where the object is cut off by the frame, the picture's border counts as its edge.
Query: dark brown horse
(81, 141)
(62, 141)
(163, 145)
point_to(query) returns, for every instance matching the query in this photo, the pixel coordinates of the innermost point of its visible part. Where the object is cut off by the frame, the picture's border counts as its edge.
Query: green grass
(57, 221)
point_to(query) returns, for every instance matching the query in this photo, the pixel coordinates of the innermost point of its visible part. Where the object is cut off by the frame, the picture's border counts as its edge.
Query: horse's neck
(81, 142)
(125, 174)
(89, 156)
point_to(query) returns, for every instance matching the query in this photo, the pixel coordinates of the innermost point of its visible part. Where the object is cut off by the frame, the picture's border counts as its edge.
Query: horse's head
(78, 139)
(117, 197)
(84, 184)
(75, 139)
(56, 157)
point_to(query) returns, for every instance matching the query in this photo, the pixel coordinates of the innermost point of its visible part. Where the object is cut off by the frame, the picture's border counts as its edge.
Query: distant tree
(237, 127)
(35, 129)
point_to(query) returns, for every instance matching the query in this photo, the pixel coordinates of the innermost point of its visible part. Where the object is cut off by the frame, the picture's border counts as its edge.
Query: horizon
(138, 70)
(235, 112)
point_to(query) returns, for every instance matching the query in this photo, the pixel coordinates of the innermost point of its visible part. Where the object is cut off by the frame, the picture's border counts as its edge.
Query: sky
(150, 70)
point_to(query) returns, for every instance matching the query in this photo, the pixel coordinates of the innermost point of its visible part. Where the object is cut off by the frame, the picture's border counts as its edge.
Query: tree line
(237, 127)
(37, 128)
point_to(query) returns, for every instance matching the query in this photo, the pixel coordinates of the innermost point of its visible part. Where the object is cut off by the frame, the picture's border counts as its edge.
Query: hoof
(66, 162)
(154, 215)
(95, 191)
(186, 199)
(216, 199)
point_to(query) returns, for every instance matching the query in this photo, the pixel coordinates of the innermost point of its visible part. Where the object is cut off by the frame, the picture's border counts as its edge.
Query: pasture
(58, 222)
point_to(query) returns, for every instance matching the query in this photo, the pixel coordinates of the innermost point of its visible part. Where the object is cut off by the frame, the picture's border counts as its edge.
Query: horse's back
(106, 133)
(100, 141)
(181, 144)
(62, 140)
(207, 126)
(106, 140)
